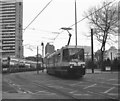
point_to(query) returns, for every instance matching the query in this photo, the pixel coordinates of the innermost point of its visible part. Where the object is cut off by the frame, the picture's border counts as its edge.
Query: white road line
(107, 83)
(76, 93)
(41, 92)
(113, 94)
(76, 83)
(90, 86)
(116, 84)
(109, 90)
(44, 93)
(112, 80)
(29, 92)
(82, 94)
(73, 92)
(101, 94)
(55, 86)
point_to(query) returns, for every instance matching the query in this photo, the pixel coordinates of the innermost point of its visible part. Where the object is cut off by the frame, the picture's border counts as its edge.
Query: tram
(69, 60)
(18, 65)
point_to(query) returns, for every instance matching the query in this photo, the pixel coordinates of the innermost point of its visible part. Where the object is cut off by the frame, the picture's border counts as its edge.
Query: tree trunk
(102, 60)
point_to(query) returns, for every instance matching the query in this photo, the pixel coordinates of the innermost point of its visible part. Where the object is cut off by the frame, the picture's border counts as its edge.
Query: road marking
(107, 83)
(73, 92)
(18, 88)
(116, 84)
(90, 86)
(114, 94)
(78, 94)
(55, 86)
(109, 90)
(44, 92)
(82, 94)
(29, 92)
(101, 94)
(112, 79)
(60, 87)
(76, 84)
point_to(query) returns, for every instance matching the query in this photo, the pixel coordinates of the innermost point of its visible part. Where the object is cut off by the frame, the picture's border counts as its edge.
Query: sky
(58, 14)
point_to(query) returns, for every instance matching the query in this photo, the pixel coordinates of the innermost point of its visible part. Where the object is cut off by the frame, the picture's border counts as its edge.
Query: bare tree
(105, 23)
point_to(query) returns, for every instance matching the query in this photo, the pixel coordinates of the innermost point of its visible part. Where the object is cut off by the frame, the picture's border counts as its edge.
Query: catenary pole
(75, 24)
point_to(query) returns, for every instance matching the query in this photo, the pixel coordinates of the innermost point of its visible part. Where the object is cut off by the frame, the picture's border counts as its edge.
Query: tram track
(87, 91)
(21, 89)
(103, 82)
(57, 91)
(48, 85)
(66, 86)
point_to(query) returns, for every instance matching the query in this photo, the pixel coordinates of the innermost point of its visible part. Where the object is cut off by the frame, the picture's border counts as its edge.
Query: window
(65, 55)
(57, 59)
(20, 3)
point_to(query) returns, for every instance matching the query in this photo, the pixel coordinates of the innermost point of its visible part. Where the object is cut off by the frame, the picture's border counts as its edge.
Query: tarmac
(33, 75)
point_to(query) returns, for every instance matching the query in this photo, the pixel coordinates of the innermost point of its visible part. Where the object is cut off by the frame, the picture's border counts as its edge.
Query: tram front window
(73, 54)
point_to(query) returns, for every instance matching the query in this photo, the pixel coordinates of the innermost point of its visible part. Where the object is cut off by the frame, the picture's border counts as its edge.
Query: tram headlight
(83, 66)
(71, 66)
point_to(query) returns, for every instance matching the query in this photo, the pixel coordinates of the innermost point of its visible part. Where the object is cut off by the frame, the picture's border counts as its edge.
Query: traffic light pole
(92, 54)
(42, 44)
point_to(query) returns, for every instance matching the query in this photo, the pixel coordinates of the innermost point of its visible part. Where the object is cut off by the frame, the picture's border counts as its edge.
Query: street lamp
(42, 44)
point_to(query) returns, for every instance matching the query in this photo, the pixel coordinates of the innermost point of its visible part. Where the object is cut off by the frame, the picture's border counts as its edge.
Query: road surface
(30, 85)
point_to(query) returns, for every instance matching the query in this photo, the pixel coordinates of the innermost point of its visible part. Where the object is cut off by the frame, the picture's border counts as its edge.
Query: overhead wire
(42, 30)
(86, 17)
(37, 16)
(93, 13)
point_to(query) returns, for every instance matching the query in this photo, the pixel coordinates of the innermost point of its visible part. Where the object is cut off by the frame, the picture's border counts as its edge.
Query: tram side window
(58, 57)
(50, 60)
(81, 55)
(65, 55)
(55, 57)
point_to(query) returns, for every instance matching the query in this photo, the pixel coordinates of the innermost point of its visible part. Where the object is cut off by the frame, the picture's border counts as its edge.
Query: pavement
(99, 71)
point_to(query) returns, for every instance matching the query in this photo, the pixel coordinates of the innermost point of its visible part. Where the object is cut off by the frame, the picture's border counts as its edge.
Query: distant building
(11, 23)
(111, 53)
(97, 55)
(49, 49)
(87, 51)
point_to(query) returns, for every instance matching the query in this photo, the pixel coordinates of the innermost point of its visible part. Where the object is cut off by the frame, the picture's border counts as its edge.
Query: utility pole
(92, 55)
(37, 62)
(42, 44)
(111, 56)
(76, 22)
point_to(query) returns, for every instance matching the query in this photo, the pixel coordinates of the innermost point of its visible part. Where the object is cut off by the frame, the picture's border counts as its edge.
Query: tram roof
(73, 46)
(65, 47)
